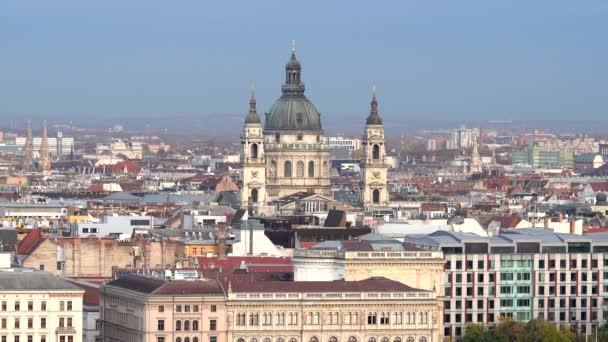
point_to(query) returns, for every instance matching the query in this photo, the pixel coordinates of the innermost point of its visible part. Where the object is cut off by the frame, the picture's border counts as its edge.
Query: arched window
(280, 339)
(422, 339)
(267, 339)
(333, 339)
(287, 171)
(186, 326)
(371, 339)
(195, 325)
(314, 339)
(254, 151)
(240, 339)
(385, 339)
(311, 168)
(293, 339)
(375, 152)
(178, 325)
(397, 339)
(410, 339)
(254, 195)
(300, 169)
(179, 339)
(352, 339)
(195, 339)
(376, 196)
(187, 339)
(253, 340)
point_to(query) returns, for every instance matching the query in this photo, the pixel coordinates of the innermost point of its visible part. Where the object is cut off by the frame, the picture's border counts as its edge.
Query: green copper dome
(293, 111)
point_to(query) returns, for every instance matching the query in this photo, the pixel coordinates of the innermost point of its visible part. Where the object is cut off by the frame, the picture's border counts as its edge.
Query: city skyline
(443, 61)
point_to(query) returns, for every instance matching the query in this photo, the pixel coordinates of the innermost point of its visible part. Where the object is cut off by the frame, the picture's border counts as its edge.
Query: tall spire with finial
(293, 70)
(374, 118)
(252, 116)
(29, 147)
(45, 161)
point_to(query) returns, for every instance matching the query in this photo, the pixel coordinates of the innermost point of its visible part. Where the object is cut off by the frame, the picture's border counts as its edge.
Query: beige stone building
(368, 256)
(374, 167)
(288, 153)
(144, 309)
(93, 257)
(36, 306)
(372, 310)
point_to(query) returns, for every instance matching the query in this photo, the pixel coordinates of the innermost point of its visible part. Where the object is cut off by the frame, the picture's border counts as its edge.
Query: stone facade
(374, 168)
(310, 315)
(171, 312)
(91, 257)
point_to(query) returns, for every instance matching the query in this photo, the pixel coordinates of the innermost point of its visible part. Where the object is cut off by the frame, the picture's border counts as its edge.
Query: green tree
(473, 333)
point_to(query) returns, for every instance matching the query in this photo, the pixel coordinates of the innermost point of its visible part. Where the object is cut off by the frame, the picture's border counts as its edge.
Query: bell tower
(374, 169)
(253, 165)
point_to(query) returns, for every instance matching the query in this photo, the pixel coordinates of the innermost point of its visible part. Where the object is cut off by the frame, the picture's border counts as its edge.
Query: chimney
(561, 217)
(221, 241)
(546, 222)
(572, 226)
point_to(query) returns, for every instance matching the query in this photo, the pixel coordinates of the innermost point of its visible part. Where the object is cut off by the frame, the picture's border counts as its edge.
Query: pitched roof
(155, 286)
(33, 280)
(29, 243)
(599, 186)
(375, 284)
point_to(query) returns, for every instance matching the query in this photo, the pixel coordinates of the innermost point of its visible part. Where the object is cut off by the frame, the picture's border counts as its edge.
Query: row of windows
(542, 276)
(186, 325)
(187, 308)
(30, 323)
(30, 305)
(525, 303)
(331, 318)
(562, 316)
(335, 339)
(580, 290)
(30, 338)
(563, 263)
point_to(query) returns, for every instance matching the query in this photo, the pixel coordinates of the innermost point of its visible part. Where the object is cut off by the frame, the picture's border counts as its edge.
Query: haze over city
(138, 62)
(313, 171)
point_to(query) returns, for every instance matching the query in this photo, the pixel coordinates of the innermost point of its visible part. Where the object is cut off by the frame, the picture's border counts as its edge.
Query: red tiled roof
(91, 292)
(599, 186)
(308, 244)
(128, 166)
(96, 188)
(377, 284)
(29, 243)
(432, 207)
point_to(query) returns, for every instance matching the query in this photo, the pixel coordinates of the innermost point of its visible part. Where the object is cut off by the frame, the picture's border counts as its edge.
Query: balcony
(65, 331)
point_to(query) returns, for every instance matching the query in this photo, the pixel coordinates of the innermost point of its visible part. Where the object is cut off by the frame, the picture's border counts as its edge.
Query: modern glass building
(523, 274)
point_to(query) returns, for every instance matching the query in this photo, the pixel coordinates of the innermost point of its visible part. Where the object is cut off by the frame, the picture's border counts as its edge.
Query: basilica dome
(293, 111)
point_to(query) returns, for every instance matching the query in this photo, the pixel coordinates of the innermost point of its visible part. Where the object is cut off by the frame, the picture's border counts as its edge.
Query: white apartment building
(36, 306)
(115, 225)
(349, 143)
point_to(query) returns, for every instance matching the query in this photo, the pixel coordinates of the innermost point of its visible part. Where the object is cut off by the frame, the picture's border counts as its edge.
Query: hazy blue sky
(430, 59)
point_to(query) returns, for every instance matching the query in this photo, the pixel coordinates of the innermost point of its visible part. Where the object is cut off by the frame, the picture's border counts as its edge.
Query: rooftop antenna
(293, 46)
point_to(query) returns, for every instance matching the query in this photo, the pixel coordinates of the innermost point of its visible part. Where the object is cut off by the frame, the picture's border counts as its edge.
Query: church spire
(374, 118)
(252, 116)
(29, 147)
(45, 161)
(293, 71)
